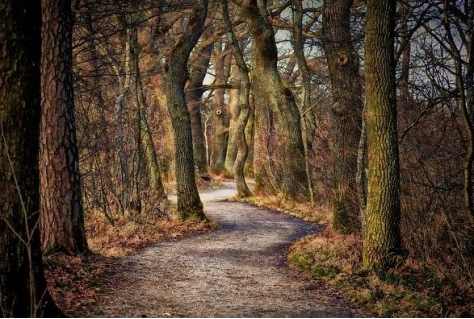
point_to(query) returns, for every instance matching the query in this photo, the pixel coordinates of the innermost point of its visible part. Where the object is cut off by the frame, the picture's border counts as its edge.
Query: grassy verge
(413, 290)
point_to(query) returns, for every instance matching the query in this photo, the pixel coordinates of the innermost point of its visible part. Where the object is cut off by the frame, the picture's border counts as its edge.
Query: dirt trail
(238, 270)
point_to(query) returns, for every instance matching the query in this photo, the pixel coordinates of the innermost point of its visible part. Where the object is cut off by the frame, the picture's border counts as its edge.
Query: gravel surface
(238, 270)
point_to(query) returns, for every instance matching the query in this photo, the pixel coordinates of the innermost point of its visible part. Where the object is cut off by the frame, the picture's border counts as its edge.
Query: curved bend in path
(238, 270)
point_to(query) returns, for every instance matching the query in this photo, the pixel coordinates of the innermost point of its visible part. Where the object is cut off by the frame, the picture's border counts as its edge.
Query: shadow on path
(238, 270)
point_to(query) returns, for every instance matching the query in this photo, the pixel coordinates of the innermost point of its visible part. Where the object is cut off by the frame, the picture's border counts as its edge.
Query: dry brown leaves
(75, 281)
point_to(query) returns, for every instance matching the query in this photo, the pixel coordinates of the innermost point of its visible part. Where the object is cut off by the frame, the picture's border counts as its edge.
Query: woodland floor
(238, 269)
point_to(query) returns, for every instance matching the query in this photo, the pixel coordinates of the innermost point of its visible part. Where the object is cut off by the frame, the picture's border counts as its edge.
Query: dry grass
(130, 233)
(320, 215)
(75, 281)
(413, 290)
(401, 293)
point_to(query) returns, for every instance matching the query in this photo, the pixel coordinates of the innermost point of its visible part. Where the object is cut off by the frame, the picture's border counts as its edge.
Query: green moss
(191, 216)
(325, 271)
(389, 310)
(344, 222)
(303, 261)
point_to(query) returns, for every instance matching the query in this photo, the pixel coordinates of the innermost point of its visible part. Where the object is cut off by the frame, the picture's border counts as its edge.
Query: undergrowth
(412, 290)
(75, 282)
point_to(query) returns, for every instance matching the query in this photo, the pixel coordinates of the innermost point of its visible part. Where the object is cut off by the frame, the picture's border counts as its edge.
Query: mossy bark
(279, 154)
(189, 202)
(382, 238)
(346, 111)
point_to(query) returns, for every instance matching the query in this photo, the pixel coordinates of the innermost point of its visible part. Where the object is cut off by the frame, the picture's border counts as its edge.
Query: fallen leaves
(76, 282)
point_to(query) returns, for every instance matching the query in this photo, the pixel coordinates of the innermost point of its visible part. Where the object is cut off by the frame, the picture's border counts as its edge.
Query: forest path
(238, 270)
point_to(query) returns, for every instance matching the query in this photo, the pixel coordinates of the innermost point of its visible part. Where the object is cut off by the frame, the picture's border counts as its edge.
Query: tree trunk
(156, 184)
(243, 105)
(194, 93)
(282, 161)
(189, 203)
(382, 238)
(62, 215)
(346, 111)
(220, 116)
(23, 291)
(305, 104)
(234, 112)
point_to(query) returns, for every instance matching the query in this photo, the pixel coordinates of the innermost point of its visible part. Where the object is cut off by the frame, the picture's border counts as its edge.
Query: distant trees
(458, 41)
(198, 69)
(23, 291)
(118, 115)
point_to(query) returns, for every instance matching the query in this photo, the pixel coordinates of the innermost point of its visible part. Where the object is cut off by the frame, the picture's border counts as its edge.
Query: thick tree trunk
(23, 291)
(282, 161)
(189, 203)
(382, 238)
(62, 216)
(346, 111)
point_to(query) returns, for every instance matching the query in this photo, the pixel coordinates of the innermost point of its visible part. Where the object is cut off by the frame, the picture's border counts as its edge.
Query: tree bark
(23, 291)
(189, 203)
(346, 111)
(62, 215)
(382, 238)
(305, 104)
(156, 183)
(282, 161)
(194, 93)
(234, 112)
(220, 115)
(243, 105)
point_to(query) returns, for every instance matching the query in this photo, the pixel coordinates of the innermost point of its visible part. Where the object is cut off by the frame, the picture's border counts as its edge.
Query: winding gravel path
(238, 270)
